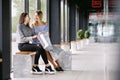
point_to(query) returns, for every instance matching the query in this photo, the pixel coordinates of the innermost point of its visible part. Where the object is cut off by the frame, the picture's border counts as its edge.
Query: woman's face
(37, 17)
(27, 19)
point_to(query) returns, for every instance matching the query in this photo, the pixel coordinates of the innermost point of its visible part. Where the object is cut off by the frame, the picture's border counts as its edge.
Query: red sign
(96, 3)
(112, 3)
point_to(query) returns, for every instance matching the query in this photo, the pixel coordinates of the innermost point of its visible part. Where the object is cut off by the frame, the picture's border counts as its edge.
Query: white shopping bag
(45, 41)
(46, 44)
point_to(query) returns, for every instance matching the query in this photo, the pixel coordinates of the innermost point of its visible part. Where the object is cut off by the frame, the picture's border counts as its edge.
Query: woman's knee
(40, 49)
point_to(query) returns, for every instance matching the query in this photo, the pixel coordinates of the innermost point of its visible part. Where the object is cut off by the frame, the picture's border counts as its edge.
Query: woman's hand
(39, 33)
(34, 37)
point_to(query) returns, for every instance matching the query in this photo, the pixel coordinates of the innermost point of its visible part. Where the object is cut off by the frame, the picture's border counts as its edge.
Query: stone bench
(22, 63)
(26, 52)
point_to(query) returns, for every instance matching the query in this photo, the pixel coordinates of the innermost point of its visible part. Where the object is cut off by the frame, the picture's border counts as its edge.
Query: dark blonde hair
(39, 13)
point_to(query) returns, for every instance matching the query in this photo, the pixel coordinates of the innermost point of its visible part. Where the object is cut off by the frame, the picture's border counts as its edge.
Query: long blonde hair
(39, 13)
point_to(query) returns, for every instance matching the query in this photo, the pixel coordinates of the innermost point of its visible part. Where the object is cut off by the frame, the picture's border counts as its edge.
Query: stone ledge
(26, 52)
(22, 65)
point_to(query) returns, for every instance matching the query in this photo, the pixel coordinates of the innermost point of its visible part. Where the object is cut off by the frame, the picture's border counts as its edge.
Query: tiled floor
(97, 61)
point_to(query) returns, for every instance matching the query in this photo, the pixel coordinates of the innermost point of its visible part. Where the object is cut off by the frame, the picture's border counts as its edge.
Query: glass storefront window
(44, 9)
(100, 30)
(17, 9)
(32, 9)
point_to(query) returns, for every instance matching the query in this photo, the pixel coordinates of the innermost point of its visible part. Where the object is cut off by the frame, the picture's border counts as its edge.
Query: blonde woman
(40, 27)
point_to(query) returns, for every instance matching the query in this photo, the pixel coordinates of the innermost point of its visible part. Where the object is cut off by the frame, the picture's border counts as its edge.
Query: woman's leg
(39, 51)
(51, 59)
(54, 63)
(57, 62)
(44, 56)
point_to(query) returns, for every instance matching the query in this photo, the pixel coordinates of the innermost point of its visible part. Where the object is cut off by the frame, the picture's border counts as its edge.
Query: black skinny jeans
(32, 47)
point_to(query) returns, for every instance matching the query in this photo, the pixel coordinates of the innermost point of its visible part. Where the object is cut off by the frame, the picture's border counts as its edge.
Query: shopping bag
(45, 41)
(46, 44)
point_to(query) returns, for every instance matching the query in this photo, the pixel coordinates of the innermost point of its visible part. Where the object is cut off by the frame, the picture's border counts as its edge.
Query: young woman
(41, 27)
(25, 35)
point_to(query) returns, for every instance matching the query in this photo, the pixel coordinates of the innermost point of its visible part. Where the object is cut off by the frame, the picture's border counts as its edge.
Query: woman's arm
(22, 36)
